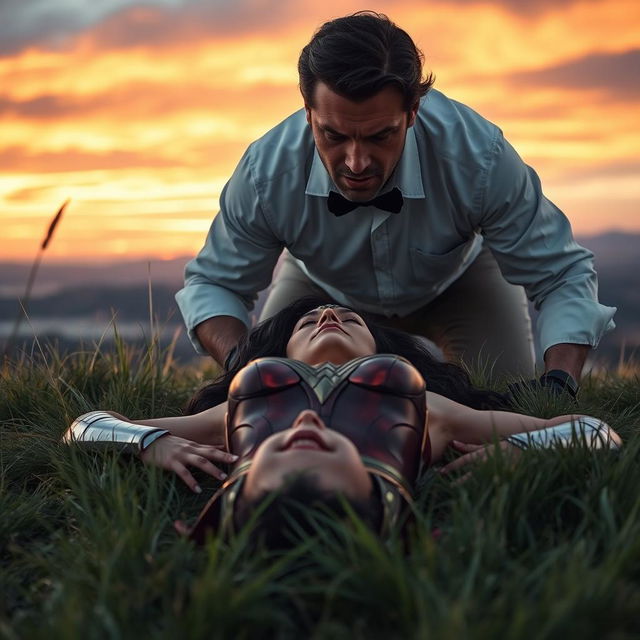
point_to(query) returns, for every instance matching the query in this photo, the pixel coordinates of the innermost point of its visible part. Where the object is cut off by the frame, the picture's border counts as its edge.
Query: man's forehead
(387, 104)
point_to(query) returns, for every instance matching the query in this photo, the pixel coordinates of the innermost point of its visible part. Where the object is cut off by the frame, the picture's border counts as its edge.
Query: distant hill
(53, 277)
(614, 247)
(94, 292)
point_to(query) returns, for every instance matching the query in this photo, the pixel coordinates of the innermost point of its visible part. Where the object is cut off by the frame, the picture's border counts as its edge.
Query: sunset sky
(139, 112)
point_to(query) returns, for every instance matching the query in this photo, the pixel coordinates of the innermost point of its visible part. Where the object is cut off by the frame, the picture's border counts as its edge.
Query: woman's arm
(206, 427)
(450, 421)
(176, 444)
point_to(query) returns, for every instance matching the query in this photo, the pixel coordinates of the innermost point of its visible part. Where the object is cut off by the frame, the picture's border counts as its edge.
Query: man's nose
(357, 159)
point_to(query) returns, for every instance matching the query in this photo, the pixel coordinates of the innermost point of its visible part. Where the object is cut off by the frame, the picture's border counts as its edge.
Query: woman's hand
(472, 453)
(177, 454)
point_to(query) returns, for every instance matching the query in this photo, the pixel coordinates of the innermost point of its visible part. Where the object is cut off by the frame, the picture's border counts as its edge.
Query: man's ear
(307, 110)
(412, 114)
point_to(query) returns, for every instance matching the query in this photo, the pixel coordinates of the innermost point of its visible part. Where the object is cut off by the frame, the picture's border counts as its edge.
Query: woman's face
(308, 446)
(330, 334)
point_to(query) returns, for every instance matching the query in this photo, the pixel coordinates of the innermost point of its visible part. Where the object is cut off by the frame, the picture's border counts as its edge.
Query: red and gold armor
(378, 402)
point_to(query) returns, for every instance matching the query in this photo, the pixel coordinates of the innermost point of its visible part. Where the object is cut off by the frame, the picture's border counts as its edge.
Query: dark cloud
(46, 24)
(141, 101)
(17, 159)
(213, 154)
(128, 23)
(524, 7)
(47, 106)
(616, 73)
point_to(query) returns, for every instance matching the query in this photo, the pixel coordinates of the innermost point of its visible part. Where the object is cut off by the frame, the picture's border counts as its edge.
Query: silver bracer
(101, 430)
(587, 431)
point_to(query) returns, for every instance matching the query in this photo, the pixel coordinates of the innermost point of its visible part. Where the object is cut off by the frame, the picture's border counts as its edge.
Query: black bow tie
(390, 201)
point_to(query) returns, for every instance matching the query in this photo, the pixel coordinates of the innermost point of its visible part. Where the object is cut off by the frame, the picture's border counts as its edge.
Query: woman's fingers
(473, 456)
(196, 460)
(178, 455)
(185, 475)
(214, 453)
(475, 453)
(465, 447)
(181, 527)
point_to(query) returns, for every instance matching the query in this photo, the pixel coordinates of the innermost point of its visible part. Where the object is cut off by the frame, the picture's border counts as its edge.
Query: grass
(547, 549)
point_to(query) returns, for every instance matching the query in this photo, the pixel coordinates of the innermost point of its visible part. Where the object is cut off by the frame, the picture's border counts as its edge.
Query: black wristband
(229, 361)
(561, 380)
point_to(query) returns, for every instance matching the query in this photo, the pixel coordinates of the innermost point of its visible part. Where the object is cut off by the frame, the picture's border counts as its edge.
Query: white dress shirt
(462, 183)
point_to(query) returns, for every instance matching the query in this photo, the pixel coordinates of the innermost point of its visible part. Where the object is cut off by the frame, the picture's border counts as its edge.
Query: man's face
(359, 143)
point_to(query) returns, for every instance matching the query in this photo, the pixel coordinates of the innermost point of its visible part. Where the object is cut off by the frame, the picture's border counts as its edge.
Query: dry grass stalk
(24, 301)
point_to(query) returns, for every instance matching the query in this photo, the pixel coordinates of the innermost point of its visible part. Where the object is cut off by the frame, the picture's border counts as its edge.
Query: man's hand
(219, 335)
(563, 366)
(567, 357)
(176, 454)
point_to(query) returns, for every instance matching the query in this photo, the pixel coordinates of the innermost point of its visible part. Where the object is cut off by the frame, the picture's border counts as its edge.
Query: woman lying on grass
(331, 407)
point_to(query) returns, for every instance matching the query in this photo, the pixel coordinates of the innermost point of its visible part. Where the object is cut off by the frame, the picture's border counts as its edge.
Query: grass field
(549, 548)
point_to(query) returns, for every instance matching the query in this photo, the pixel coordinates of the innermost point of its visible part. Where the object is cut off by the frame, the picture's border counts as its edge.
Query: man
(392, 199)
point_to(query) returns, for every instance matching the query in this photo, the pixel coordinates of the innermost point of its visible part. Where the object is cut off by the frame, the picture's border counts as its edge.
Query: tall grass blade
(24, 302)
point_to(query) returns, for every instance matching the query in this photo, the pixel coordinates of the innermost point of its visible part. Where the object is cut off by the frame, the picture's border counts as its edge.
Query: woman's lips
(329, 325)
(306, 439)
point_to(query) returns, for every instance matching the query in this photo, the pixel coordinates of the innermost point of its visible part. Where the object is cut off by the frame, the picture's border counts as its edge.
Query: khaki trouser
(480, 320)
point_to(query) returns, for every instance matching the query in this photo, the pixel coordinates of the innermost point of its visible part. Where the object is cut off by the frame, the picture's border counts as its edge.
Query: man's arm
(567, 357)
(236, 261)
(219, 335)
(533, 243)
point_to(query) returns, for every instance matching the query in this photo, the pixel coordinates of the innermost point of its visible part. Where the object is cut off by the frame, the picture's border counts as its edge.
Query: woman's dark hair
(301, 508)
(271, 336)
(359, 55)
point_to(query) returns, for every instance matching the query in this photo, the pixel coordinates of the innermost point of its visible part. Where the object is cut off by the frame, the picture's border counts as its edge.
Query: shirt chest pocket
(434, 268)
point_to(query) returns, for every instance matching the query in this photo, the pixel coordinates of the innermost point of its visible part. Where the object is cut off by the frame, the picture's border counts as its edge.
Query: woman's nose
(308, 418)
(328, 315)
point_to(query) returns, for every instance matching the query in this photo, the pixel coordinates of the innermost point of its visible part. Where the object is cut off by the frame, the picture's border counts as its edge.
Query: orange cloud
(140, 114)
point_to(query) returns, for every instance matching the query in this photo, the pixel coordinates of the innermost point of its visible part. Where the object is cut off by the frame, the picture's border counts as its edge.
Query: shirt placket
(382, 261)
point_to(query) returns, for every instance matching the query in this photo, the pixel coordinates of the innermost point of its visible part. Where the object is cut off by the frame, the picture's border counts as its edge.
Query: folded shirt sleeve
(533, 244)
(237, 259)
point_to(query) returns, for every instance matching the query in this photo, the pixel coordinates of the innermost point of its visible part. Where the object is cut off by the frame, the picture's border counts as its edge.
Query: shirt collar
(407, 175)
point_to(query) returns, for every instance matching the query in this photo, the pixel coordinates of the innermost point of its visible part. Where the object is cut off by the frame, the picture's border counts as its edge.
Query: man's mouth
(359, 181)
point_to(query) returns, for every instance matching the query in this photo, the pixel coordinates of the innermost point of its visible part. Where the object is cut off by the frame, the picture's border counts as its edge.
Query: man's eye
(333, 137)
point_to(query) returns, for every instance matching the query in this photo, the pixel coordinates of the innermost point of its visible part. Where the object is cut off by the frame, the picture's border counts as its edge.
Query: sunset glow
(139, 114)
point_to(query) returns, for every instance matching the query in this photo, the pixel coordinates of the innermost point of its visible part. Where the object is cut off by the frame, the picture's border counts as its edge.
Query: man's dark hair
(301, 509)
(359, 55)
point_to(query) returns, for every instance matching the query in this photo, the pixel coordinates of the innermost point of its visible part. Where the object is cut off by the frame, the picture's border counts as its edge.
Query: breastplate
(378, 402)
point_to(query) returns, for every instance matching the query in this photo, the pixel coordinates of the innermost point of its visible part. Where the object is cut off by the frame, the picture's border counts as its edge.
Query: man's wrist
(561, 381)
(219, 335)
(556, 381)
(567, 357)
